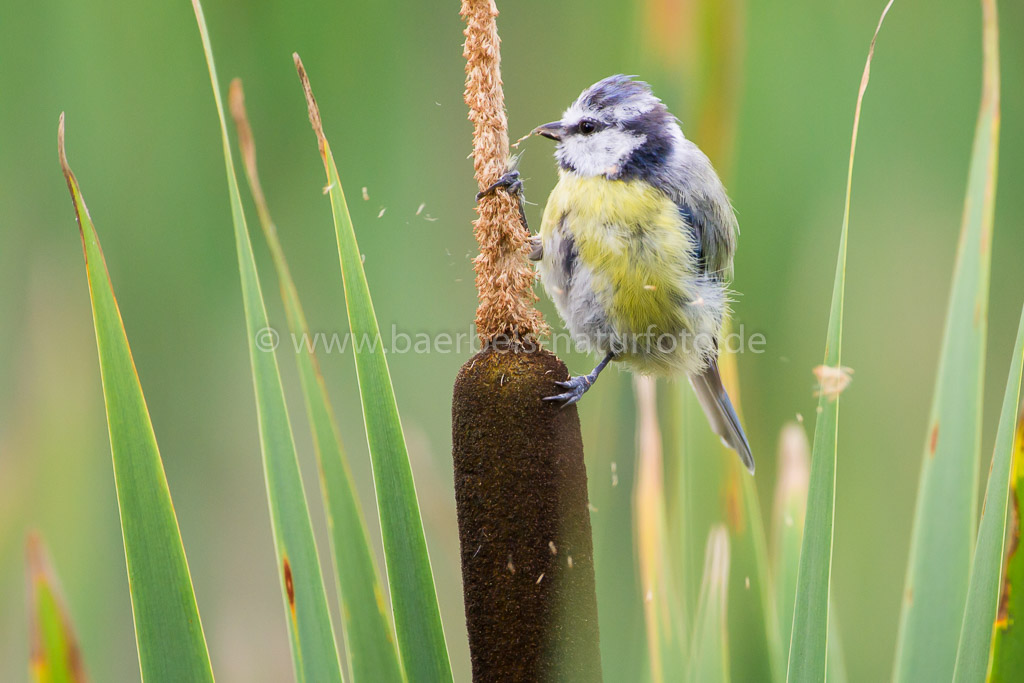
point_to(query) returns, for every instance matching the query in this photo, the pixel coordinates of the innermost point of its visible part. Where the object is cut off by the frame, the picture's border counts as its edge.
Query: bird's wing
(714, 232)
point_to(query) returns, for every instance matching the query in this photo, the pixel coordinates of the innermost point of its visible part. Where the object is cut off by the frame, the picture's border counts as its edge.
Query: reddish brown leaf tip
(61, 152)
(236, 102)
(70, 178)
(60, 144)
(40, 574)
(36, 573)
(246, 141)
(314, 110)
(34, 556)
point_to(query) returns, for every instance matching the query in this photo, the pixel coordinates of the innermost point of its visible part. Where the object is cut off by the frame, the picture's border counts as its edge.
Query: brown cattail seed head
(504, 278)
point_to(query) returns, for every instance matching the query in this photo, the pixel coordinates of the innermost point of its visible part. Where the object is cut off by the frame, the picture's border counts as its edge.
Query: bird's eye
(588, 126)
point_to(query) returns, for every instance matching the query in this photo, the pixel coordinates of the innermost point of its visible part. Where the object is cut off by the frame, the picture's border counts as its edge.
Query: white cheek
(601, 153)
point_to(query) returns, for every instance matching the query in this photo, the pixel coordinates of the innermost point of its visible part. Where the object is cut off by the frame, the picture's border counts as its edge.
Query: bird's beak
(552, 131)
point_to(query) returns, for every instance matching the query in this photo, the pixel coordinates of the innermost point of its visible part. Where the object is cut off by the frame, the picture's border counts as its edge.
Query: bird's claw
(577, 386)
(511, 181)
(536, 248)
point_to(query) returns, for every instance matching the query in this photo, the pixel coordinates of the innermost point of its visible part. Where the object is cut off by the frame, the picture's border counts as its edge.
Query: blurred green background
(143, 140)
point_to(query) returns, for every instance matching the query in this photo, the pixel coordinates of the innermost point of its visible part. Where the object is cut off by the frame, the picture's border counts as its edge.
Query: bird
(636, 245)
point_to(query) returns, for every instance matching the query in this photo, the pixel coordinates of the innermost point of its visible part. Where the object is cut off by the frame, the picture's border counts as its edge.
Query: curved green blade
(972, 657)
(696, 48)
(168, 632)
(665, 617)
(609, 432)
(947, 500)
(710, 487)
(314, 653)
(1008, 640)
(709, 651)
(55, 657)
(789, 509)
(421, 641)
(369, 641)
(788, 513)
(808, 648)
(836, 654)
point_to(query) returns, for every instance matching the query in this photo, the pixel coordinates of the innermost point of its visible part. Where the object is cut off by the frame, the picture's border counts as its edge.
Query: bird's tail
(718, 408)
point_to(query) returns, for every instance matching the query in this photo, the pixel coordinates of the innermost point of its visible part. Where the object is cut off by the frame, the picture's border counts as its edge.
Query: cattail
(504, 279)
(520, 480)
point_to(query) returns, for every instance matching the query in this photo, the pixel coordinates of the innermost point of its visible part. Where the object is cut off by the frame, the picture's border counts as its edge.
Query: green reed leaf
(973, 652)
(421, 641)
(369, 640)
(808, 648)
(314, 654)
(168, 632)
(945, 519)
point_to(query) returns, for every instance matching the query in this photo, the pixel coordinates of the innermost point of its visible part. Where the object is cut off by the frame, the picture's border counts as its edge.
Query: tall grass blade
(836, 652)
(691, 509)
(788, 514)
(421, 641)
(368, 637)
(55, 657)
(314, 653)
(168, 632)
(663, 614)
(753, 613)
(611, 462)
(1008, 640)
(972, 657)
(945, 520)
(808, 648)
(710, 487)
(709, 652)
(696, 48)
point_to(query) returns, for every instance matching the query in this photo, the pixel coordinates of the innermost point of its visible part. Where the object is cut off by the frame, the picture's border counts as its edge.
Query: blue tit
(636, 245)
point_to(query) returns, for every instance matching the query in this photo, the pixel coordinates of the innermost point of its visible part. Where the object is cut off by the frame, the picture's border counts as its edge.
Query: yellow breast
(632, 238)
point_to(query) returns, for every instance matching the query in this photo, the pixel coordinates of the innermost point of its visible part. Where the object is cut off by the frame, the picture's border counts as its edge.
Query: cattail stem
(520, 480)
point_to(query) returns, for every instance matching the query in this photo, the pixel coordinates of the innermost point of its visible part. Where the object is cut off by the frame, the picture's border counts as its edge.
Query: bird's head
(616, 128)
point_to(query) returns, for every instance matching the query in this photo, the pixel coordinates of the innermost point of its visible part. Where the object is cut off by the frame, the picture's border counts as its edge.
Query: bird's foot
(511, 181)
(536, 248)
(575, 388)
